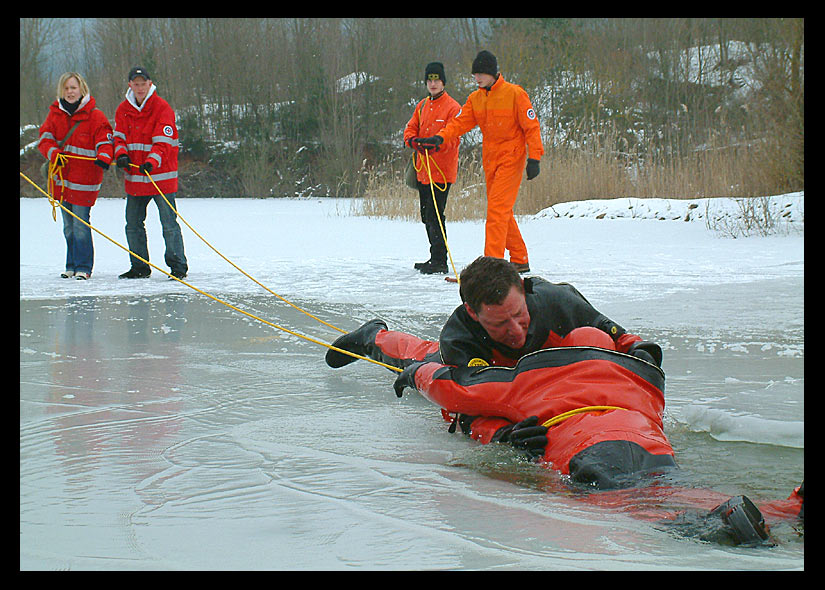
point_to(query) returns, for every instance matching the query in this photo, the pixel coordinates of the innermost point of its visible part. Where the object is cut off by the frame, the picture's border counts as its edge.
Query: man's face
(434, 86)
(140, 86)
(484, 80)
(507, 322)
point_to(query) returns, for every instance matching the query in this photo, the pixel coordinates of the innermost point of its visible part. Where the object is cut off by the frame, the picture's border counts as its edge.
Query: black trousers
(438, 248)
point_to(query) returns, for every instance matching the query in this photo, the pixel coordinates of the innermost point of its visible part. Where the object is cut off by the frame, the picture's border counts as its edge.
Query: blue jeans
(80, 252)
(136, 232)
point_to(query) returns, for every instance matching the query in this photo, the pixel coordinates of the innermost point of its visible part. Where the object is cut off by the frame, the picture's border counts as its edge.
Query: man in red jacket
(146, 145)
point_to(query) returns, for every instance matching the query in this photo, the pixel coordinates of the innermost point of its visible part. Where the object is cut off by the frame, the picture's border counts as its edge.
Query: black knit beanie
(485, 63)
(435, 67)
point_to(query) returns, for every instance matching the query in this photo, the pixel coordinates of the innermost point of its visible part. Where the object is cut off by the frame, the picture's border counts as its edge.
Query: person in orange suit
(511, 135)
(440, 168)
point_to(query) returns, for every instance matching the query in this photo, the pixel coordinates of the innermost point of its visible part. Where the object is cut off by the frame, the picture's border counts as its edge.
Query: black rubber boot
(136, 273)
(734, 522)
(359, 342)
(432, 268)
(744, 521)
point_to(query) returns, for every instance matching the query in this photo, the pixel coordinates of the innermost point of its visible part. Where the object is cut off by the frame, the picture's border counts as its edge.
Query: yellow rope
(551, 422)
(569, 414)
(242, 271)
(209, 295)
(420, 168)
(435, 206)
(56, 168)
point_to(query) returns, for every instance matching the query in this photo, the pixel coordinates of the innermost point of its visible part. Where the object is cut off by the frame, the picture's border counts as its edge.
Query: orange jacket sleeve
(529, 123)
(461, 124)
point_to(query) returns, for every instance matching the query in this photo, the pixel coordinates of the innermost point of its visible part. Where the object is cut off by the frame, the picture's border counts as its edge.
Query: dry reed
(571, 173)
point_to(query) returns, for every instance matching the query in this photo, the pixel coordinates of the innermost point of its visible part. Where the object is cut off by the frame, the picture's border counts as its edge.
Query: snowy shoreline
(316, 249)
(786, 208)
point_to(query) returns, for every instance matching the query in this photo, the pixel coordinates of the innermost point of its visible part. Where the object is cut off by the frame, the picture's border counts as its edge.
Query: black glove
(60, 160)
(532, 168)
(102, 164)
(123, 161)
(429, 143)
(647, 351)
(526, 436)
(406, 379)
(146, 167)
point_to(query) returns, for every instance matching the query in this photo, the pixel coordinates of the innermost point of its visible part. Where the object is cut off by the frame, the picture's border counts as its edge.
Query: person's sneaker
(136, 273)
(521, 267)
(358, 342)
(82, 276)
(744, 519)
(67, 274)
(431, 268)
(178, 274)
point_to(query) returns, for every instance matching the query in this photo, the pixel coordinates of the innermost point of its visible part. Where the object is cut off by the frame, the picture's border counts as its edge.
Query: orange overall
(510, 128)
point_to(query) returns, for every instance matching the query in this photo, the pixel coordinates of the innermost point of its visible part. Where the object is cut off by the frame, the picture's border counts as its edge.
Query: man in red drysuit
(505, 319)
(534, 364)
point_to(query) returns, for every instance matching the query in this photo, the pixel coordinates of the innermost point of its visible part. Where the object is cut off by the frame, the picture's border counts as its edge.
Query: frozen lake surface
(162, 430)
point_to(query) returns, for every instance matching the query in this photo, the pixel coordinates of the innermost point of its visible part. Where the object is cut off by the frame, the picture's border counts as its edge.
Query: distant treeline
(302, 105)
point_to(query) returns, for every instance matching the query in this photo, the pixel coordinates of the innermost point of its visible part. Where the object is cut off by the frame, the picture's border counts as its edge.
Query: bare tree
(276, 87)
(36, 93)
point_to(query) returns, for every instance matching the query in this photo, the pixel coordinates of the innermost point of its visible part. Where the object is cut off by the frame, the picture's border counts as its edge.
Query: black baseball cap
(138, 71)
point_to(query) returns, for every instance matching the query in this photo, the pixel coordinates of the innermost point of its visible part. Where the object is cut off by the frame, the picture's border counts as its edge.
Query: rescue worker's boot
(360, 342)
(431, 268)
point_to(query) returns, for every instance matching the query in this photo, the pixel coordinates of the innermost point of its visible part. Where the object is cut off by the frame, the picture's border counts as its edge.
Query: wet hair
(487, 281)
(84, 88)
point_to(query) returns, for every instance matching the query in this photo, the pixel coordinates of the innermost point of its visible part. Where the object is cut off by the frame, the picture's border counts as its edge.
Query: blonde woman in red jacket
(146, 141)
(430, 116)
(77, 180)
